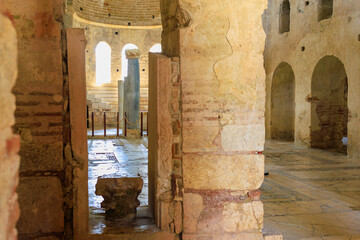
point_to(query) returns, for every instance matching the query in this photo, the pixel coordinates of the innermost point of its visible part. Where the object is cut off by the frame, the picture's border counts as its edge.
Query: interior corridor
(118, 158)
(310, 193)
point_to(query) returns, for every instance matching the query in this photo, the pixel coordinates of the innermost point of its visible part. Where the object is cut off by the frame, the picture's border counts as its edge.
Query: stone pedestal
(120, 197)
(132, 89)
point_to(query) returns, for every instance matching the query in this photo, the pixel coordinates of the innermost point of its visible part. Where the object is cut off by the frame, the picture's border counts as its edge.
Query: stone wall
(222, 96)
(307, 42)
(9, 143)
(41, 119)
(121, 12)
(104, 98)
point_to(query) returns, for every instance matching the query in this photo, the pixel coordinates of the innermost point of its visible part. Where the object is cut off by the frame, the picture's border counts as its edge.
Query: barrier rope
(133, 124)
(120, 121)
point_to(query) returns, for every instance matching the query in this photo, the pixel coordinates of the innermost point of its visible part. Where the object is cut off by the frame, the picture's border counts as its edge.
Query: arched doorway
(124, 61)
(329, 112)
(283, 103)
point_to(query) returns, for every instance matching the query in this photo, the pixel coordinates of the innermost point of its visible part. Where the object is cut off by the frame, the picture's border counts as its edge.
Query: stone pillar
(121, 102)
(9, 144)
(78, 151)
(132, 88)
(222, 82)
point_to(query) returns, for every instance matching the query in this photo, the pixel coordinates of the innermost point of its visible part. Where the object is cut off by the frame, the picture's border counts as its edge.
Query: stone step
(101, 87)
(102, 95)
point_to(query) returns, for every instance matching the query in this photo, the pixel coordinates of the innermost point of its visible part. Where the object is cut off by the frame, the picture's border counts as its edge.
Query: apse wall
(117, 23)
(120, 12)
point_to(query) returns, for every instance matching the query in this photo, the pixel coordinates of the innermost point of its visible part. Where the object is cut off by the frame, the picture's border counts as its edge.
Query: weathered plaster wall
(222, 110)
(307, 42)
(9, 143)
(41, 119)
(104, 98)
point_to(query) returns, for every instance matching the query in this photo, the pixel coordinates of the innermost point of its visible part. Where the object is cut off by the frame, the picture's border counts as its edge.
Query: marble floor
(310, 193)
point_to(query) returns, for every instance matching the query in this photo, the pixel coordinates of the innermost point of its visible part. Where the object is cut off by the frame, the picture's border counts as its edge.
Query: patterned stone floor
(310, 193)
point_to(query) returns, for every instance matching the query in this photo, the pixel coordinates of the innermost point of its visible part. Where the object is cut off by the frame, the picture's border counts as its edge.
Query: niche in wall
(283, 103)
(329, 112)
(284, 24)
(325, 9)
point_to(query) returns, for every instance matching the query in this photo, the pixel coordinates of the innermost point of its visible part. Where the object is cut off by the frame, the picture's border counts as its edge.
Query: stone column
(132, 88)
(222, 82)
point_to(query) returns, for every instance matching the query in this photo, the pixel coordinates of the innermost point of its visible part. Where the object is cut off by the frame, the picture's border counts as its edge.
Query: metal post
(125, 119)
(105, 124)
(141, 124)
(117, 124)
(92, 124)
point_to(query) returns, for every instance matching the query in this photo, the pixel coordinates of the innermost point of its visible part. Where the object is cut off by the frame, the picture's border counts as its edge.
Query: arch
(156, 48)
(329, 112)
(283, 103)
(103, 63)
(124, 61)
(325, 9)
(284, 24)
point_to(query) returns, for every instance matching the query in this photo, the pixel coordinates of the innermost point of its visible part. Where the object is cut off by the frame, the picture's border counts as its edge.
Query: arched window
(325, 9)
(124, 61)
(284, 24)
(103, 63)
(156, 48)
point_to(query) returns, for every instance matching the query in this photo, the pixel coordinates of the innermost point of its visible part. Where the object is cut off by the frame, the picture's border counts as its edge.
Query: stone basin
(120, 196)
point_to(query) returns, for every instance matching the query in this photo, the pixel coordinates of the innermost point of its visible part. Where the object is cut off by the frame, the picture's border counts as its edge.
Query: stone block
(237, 172)
(120, 196)
(193, 206)
(199, 139)
(178, 217)
(41, 202)
(243, 137)
(273, 237)
(211, 212)
(41, 157)
(241, 217)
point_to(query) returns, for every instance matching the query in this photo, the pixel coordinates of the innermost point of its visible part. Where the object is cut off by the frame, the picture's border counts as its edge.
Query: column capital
(133, 54)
